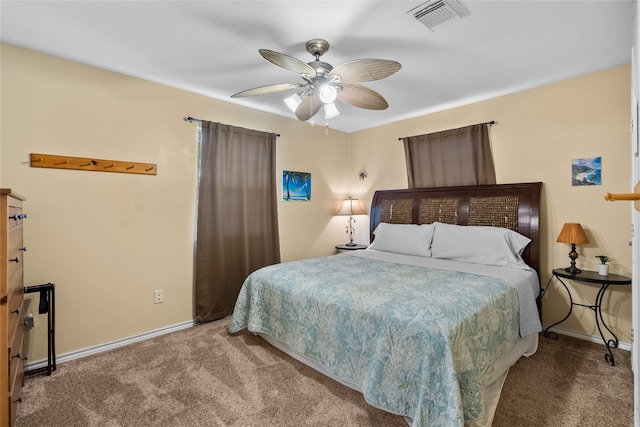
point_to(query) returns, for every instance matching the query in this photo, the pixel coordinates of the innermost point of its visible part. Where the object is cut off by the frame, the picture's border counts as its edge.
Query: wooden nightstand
(592, 277)
(347, 248)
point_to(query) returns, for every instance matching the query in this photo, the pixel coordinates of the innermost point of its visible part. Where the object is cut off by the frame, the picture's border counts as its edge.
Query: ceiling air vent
(437, 12)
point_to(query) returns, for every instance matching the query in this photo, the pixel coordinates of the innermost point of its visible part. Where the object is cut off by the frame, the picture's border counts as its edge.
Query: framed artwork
(586, 171)
(296, 185)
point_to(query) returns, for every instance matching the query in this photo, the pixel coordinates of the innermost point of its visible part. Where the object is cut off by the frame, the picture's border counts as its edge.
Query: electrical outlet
(158, 297)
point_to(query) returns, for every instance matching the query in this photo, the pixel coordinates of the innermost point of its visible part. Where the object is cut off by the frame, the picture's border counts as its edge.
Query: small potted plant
(603, 267)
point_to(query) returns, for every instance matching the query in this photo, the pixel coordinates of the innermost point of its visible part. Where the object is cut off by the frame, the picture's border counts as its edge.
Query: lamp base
(573, 255)
(351, 244)
(573, 269)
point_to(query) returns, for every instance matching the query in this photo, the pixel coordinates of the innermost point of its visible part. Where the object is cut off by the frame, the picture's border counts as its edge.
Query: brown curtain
(452, 157)
(237, 215)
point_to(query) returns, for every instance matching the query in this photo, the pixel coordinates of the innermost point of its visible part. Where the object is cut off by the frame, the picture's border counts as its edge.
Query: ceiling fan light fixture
(323, 82)
(330, 110)
(293, 101)
(327, 94)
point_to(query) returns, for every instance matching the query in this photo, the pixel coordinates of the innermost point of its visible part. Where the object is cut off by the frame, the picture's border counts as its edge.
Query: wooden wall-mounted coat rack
(88, 164)
(635, 197)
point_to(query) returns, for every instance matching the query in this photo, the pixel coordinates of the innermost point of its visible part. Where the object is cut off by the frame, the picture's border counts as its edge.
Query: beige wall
(109, 240)
(537, 134)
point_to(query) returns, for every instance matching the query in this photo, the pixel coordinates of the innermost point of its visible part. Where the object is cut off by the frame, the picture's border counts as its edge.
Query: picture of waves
(586, 171)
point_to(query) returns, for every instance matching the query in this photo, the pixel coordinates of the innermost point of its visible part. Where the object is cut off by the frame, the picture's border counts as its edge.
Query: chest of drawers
(12, 252)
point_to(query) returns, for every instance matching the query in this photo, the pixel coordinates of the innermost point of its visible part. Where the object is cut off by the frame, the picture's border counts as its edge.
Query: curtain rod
(491, 123)
(193, 119)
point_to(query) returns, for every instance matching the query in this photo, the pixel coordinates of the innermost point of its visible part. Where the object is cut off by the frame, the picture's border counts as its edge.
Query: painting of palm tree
(296, 185)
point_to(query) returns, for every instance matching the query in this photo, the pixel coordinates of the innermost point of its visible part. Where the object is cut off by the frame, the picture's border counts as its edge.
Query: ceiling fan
(323, 84)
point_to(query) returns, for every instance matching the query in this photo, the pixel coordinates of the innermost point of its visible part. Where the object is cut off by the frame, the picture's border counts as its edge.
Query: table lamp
(573, 234)
(351, 207)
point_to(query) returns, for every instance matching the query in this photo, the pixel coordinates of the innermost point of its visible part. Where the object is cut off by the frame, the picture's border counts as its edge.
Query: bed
(427, 321)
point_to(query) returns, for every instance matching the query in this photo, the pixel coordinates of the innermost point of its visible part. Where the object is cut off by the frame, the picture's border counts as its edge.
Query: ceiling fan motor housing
(322, 68)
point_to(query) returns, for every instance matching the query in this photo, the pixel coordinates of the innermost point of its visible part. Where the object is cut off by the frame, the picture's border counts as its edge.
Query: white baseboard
(184, 325)
(593, 338)
(110, 345)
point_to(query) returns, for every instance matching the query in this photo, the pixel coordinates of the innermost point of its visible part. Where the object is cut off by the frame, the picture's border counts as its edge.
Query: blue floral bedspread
(419, 342)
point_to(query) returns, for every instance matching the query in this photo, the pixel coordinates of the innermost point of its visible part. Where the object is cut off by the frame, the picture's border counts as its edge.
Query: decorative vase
(603, 269)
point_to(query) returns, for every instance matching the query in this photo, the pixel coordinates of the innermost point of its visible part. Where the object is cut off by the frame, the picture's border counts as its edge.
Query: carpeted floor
(568, 383)
(202, 376)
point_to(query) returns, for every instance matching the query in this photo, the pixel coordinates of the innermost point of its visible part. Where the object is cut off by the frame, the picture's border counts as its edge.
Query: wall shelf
(89, 164)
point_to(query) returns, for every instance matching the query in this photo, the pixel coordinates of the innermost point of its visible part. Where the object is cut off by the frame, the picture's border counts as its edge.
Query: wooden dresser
(11, 304)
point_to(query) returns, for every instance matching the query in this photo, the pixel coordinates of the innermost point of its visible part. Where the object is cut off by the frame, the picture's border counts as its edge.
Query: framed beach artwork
(296, 186)
(586, 171)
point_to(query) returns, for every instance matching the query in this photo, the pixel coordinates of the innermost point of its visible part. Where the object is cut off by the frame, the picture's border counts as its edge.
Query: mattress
(525, 347)
(428, 339)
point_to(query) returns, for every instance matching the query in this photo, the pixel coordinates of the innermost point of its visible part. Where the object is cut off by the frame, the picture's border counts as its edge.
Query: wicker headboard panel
(513, 206)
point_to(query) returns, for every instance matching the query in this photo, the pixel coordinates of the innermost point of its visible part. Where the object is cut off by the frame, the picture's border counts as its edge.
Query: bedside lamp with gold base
(572, 234)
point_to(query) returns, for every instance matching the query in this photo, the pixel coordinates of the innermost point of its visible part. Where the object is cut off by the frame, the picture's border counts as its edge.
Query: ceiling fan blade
(362, 97)
(288, 62)
(365, 70)
(308, 108)
(263, 90)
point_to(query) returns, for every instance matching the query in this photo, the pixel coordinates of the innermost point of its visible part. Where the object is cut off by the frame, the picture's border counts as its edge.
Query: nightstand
(348, 248)
(590, 277)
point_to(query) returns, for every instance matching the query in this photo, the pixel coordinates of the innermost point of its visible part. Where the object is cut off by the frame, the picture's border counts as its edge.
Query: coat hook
(91, 164)
(624, 196)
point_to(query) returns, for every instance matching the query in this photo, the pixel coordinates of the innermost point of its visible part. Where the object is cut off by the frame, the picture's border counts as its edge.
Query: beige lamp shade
(350, 207)
(572, 233)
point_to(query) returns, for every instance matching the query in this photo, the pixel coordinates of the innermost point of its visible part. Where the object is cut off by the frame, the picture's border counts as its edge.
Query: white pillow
(407, 239)
(479, 245)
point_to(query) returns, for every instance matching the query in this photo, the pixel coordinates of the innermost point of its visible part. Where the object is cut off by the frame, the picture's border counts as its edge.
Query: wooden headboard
(513, 206)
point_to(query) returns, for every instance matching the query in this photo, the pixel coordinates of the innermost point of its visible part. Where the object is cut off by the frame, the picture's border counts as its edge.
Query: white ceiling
(211, 47)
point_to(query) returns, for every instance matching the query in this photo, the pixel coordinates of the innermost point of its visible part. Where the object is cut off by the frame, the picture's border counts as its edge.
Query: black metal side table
(604, 282)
